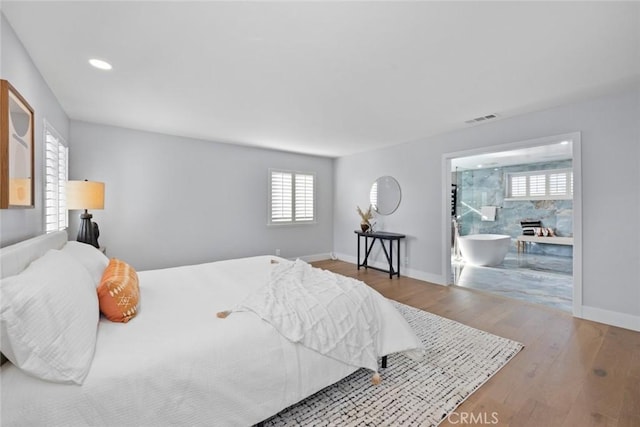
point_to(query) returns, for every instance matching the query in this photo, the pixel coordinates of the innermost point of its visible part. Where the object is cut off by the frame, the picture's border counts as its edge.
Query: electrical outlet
(277, 252)
(406, 260)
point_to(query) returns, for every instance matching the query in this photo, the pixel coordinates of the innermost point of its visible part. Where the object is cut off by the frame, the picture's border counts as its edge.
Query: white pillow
(91, 258)
(49, 318)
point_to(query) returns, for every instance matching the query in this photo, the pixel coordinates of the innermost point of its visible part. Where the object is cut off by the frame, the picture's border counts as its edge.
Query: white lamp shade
(85, 195)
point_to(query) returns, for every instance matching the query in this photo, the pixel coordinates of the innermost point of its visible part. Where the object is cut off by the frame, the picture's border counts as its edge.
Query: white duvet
(329, 313)
(176, 363)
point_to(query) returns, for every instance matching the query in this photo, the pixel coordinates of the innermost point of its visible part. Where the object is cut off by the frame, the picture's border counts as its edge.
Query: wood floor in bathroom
(572, 372)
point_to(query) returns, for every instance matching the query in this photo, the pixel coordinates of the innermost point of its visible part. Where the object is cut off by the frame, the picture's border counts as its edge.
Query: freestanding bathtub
(484, 249)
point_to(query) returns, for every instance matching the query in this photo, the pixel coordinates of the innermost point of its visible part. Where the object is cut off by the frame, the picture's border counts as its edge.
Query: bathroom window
(540, 185)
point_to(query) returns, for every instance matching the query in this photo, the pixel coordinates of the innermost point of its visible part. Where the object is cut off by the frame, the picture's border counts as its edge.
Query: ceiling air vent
(481, 119)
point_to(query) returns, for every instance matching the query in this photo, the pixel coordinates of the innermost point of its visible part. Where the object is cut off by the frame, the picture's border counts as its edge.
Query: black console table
(382, 236)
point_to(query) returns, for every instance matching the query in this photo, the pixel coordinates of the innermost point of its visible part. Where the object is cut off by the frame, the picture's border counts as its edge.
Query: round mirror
(385, 195)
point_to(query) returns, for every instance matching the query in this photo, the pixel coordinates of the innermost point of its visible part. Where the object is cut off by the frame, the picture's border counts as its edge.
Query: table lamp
(86, 195)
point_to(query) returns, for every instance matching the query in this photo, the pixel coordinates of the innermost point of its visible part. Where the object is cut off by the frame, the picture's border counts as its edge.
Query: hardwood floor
(572, 372)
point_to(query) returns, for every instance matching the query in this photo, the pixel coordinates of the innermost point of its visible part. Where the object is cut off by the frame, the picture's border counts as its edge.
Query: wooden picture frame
(17, 187)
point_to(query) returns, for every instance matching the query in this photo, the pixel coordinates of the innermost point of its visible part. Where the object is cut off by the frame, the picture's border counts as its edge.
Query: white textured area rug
(458, 360)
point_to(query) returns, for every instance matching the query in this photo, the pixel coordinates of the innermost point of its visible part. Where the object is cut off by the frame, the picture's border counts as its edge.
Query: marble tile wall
(486, 187)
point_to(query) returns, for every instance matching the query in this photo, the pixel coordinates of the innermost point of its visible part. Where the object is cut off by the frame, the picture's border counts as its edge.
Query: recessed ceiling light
(564, 142)
(479, 166)
(99, 63)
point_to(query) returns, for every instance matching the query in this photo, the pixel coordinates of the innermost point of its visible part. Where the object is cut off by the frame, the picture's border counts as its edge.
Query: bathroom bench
(523, 240)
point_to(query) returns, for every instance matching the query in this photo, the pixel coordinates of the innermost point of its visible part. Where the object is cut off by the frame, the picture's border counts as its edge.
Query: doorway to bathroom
(513, 220)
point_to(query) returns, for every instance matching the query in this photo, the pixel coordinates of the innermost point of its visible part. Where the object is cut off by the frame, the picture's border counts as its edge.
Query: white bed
(176, 363)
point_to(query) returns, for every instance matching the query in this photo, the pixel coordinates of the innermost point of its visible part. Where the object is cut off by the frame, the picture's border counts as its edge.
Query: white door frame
(577, 203)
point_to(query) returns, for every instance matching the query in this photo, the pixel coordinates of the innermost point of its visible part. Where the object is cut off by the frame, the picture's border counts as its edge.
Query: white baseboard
(404, 271)
(621, 320)
(316, 257)
(427, 277)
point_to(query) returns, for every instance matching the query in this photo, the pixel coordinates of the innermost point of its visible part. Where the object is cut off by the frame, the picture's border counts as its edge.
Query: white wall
(172, 201)
(610, 135)
(16, 67)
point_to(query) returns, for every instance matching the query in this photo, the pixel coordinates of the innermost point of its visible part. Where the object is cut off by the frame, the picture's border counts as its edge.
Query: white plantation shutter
(571, 173)
(540, 185)
(558, 183)
(55, 173)
(537, 185)
(304, 192)
(281, 192)
(518, 186)
(291, 197)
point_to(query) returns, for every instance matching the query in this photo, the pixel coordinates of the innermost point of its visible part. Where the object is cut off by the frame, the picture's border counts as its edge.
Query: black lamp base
(86, 233)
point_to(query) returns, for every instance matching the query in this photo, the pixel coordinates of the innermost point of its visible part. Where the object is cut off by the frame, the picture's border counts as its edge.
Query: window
(540, 185)
(518, 186)
(55, 173)
(537, 185)
(291, 197)
(557, 184)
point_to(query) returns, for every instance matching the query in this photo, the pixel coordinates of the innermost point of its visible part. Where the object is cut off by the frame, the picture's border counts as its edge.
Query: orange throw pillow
(119, 292)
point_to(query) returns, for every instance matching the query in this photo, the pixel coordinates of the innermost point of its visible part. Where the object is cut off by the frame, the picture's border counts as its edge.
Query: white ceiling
(325, 78)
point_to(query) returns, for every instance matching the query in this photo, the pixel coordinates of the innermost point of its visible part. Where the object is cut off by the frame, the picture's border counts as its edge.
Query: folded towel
(527, 224)
(488, 213)
(529, 227)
